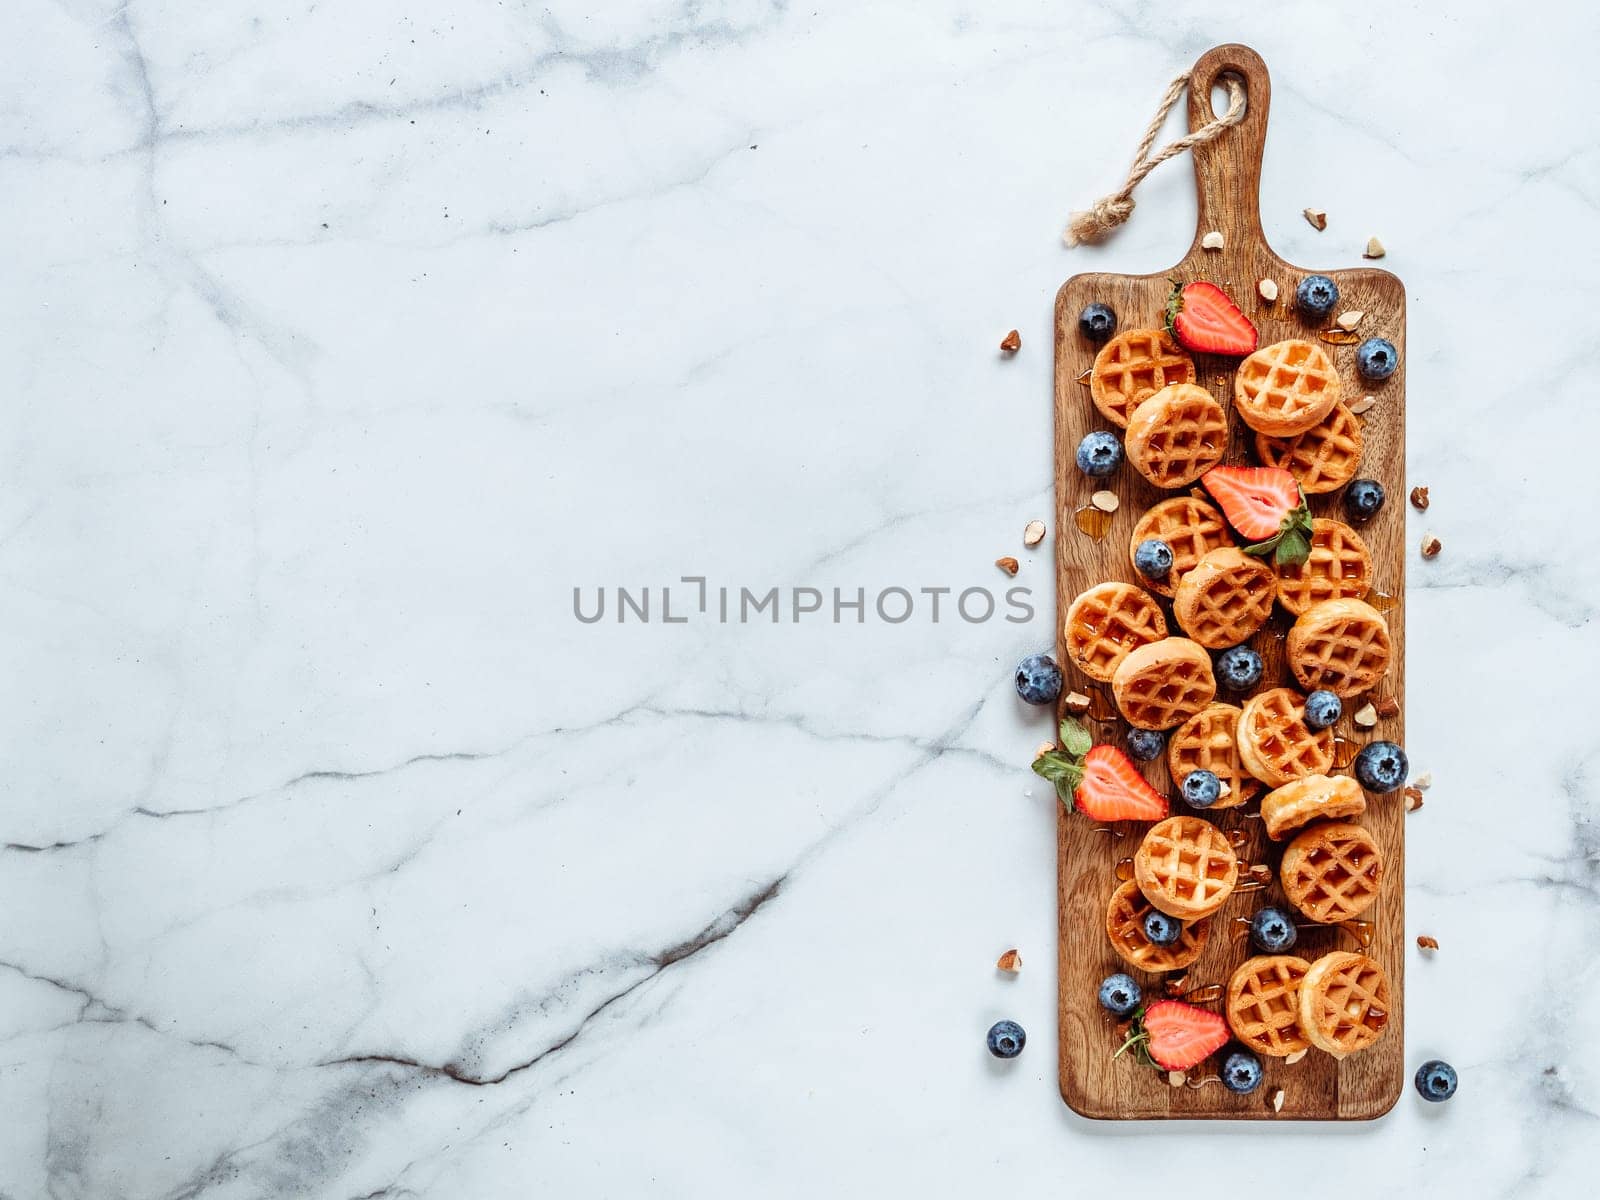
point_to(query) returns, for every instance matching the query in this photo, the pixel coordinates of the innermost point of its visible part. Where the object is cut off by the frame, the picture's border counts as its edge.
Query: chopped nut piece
(1362, 405)
(1387, 706)
(1419, 499)
(1175, 985)
(1290, 1059)
(1268, 290)
(1318, 218)
(1350, 318)
(1223, 789)
(1413, 799)
(1424, 942)
(1277, 1100)
(1176, 1078)
(1008, 564)
(1033, 533)
(1044, 748)
(1431, 546)
(1076, 704)
(1366, 716)
(1374, 249)
(1260, 871)
(1423, 782)
(1012, 342)
(1010, 961)
(1212, 240)
(1105, 501)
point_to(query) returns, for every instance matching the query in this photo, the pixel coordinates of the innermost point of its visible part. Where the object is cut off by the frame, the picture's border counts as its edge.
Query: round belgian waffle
(1339, 568)
(1163, 684)
(1185, 867)
(1187, 524)
(1225, 598)
(1324, 458)
(1125, 927)
(1263, 1004)
(1285, 388)
(1177, 435)
(1344, 1003)
(1339, 645)
(1134, 366)
(1275, 743)
(1208, 741)
(1331, 871)
(1107, 621)
(1314, 798)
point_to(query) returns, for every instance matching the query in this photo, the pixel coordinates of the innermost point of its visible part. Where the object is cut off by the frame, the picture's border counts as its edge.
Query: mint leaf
(1076, 740)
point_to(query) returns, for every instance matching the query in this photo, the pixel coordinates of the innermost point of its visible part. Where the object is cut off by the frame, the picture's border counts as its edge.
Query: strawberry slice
(1113, 790)
(1264, 504)
(1181, 1035)
(1203, 318)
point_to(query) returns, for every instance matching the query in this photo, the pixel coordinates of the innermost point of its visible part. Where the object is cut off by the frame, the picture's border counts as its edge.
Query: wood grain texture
(1366, 1085)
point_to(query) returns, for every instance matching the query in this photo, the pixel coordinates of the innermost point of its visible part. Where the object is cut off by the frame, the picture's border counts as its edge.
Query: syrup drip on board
(1111, 829)
(1091, 521)
(1362, 931)
(1250, 885)
(1344, 751)
(1382, 601)
(1124, 869)
(1196, 1082)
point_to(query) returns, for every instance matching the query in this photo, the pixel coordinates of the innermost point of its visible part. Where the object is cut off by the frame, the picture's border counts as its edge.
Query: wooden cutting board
(1365, 1085)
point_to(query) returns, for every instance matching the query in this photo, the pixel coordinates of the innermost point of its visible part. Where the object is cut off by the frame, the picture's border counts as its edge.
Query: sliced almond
(1424, 942)
(1010, 961)
(1318, 218)
(1105, 501)
(1374, 249)
(1362, 405)
(1076, 704)
(1033, 533)
(1413, 799)
(1012, 342)
(1431, 546)
(1423, 782)
(1366, 716)
(1350, 318)
(1419, 499)
(1212, 240)
(1267, 289)
(1044, 748)
(1008, 564)
(1289, 1060)
(1277, 1099)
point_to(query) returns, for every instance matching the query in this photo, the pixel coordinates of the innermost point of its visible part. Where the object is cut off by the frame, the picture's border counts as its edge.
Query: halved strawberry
(1113, 790)
(1181, 1035)
(1265, 505)
(1203, 318)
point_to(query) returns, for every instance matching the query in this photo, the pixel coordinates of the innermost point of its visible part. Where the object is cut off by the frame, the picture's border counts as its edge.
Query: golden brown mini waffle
(1285, 388)
(1163, 684)
(1190, 527)
(1125, 927)
(1263, 1004)
(1185, 867)
(1339, 568)
(1225, 598)
(1275, 743)
(1331, 871)
(1177, 435)
(1314, 798)
(1324, 458)
(1208, 741)
(1107, 621)
(1344, 1003)
(1341, 646)
(1134, 366)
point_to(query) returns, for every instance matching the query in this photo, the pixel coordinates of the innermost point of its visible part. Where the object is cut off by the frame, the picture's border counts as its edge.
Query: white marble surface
(341, 341)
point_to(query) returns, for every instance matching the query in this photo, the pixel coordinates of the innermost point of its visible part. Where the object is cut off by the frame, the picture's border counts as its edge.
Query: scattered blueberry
(1160, 929)
(1272, 930)
(1038, 679)
(1436, 1080)
(1006, 1039)
(1201, 789)
(1239, 668)
(1381, 767)
(1241, 1072)
(1316, 296)
(1153, 559)
(1097, 322)
(1363, 498)
(1099, 454)
(1120, 995)
(1323, 709)
(1376, 359)
(1145, 744)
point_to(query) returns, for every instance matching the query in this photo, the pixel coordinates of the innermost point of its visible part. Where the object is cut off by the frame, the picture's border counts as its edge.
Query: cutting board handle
(1227, 169)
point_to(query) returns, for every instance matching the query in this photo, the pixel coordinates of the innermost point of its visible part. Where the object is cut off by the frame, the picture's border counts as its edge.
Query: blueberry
(1381, 767)
(1160, 929)
(1120, 995)
(1363, 498)
(1099, 454)
(1201, 789)
(1376, 359)
(1241, 1072)
(1323, 709)
(1038, 679)
(1316, 296)
(1153, 559)
(1145, 744)
(1006, 1039)
(1436, 1080)
(1239, 668)
(1097, 322)
(1272, 930)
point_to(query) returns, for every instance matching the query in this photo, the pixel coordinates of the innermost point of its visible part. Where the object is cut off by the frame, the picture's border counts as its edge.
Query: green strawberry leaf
(1076, 739)
(1138, 1041)
(1174, 306)
(1053, 765)
(1294, 548)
